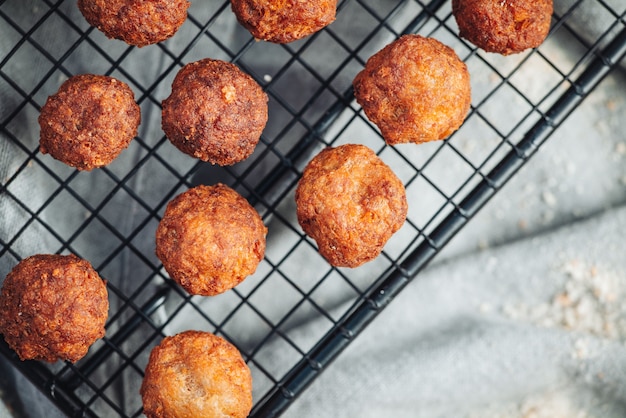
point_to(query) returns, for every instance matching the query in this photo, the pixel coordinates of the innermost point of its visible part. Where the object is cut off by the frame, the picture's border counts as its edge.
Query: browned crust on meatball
(283, 21)
(215, 113)
(89, 121)
(53, 307)
(503, 26)
(350, 203)
(210, 239)
(196, 374)
(136, 22)
(415, 89)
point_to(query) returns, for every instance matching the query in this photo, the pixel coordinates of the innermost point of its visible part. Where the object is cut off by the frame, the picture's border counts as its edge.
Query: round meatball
(136, 22)
(89, 121)
(53, 307)
(196, 374)
(210, 239)
(215, 112)
(505, 27)
(350, 203)
(415, 89)
(286, 20)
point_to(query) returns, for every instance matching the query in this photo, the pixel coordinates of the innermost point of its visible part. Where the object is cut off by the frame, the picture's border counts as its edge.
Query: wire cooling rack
(109, 215)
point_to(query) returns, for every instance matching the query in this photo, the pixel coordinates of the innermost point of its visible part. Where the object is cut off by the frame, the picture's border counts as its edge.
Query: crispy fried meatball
(503, 26)
(350, 203)
(215, 112)
(415, 89)
(136, 22)
(210, 239)
(196, 374)
(53, 307)
(284, 21)
(89, 121)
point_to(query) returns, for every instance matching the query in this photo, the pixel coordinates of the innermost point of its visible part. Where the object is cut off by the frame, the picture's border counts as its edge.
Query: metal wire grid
(452, 178)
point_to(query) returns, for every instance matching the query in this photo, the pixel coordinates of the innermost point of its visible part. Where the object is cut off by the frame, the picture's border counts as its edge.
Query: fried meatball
(284, 21)
(215, 112)
(350, 203)
(210, 239)
(89, 121)
(196, 374)
(53, 307)
(505, 27)
(136, 22)
(415, 89)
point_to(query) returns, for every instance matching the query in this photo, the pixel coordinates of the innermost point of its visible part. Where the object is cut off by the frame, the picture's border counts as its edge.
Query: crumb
(494, 78)
(522, 224)
(581, 349)
(611, 104)
(563, 300)
(588, 302)
(549, 198)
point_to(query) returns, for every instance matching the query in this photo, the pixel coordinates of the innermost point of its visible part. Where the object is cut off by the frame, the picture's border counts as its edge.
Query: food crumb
(522, 224)
(581, 349)
(611, 104)
(587, 302)
(549, 198)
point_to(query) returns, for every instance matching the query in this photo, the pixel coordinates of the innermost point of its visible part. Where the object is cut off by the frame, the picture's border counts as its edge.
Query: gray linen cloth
(520, 315)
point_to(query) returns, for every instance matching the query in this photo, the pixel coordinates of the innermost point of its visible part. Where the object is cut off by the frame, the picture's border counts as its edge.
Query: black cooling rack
(109, 216)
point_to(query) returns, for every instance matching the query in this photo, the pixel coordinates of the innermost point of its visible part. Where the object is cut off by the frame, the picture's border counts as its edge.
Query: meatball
(284, 21)
(504, 27)
(210, 239)
(215, 112)
(89, 121)
(196, 374)
(350, 203)
(136, 22)
(53, 307)
(415, 89)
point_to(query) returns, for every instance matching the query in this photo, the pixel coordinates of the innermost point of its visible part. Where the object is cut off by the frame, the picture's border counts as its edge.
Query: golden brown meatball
(53, 307)
(210, 239)
(283, 21)
(196, 374)
(215, 112)
(350, 203)
(136, 22)
(415, 89)
(89, 121)
(503, 26)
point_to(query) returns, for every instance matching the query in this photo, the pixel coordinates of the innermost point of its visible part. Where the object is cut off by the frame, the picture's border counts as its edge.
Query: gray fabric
(536, 323)
(469, 337)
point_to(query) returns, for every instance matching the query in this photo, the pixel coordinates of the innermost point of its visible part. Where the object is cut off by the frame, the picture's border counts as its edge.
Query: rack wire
(109, 215)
